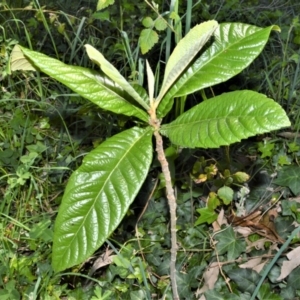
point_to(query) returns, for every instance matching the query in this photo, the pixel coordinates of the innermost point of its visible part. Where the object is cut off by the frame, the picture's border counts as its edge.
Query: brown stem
(172, 205)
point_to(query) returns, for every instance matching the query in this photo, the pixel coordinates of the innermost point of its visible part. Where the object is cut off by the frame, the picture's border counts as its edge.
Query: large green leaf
(185, 51)
(226, 119)
(234, 47)
(88, 83)
(98, 195)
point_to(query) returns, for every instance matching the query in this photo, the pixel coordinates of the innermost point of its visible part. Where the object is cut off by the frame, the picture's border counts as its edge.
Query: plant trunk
(172, 205)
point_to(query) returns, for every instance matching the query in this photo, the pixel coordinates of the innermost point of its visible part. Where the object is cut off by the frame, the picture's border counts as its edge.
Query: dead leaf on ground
(297, 199)
(259, 267)
(258, 245)
(289, 265)
(255, 264)
(244, 231)
(260, 223)
(289, 135)
(220, 221)
(103, 260)
(250, 264)
(210, 277)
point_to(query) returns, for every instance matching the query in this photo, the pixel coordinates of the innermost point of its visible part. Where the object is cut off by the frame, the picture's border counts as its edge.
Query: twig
(172, 205)
(220, 267)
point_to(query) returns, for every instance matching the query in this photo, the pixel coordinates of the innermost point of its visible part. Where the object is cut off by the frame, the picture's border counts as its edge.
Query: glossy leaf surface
(98, 195)
(89, 84)
(235, 46)
(226, 119)
(185, 51)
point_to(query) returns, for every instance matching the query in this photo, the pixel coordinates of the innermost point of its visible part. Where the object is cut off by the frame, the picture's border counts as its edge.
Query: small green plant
(27, 152)
(100, 191)
(99, 296)
(207, 171)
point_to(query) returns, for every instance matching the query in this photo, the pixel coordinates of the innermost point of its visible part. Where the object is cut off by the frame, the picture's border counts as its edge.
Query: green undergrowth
(211, 259)
(37, 155)
(134, 263)
(45, 131)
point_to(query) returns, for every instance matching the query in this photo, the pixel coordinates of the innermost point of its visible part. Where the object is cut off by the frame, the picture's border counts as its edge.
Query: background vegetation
(45, 130)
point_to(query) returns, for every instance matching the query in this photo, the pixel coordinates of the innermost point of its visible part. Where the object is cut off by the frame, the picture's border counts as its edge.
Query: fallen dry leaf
(254, 264)
(244, 231)
(220, 221)
(260, 223)
(103, 260)
(250, 264)
(297, 199)
(210, 278)
(258, 245)
(289, 135)
(259, 267)
(289, 265)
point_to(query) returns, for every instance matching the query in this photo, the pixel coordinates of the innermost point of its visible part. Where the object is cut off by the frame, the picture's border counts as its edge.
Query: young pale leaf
(226, 119)
(160, 23)
(151, 81)
(113, 74)
(185, 51)
(235, 46)
(226, 194)
(87, 83)
(98, 195)
(101, 4)
(207, 215)
(19, 62)
(148, 22)
(148, 38)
